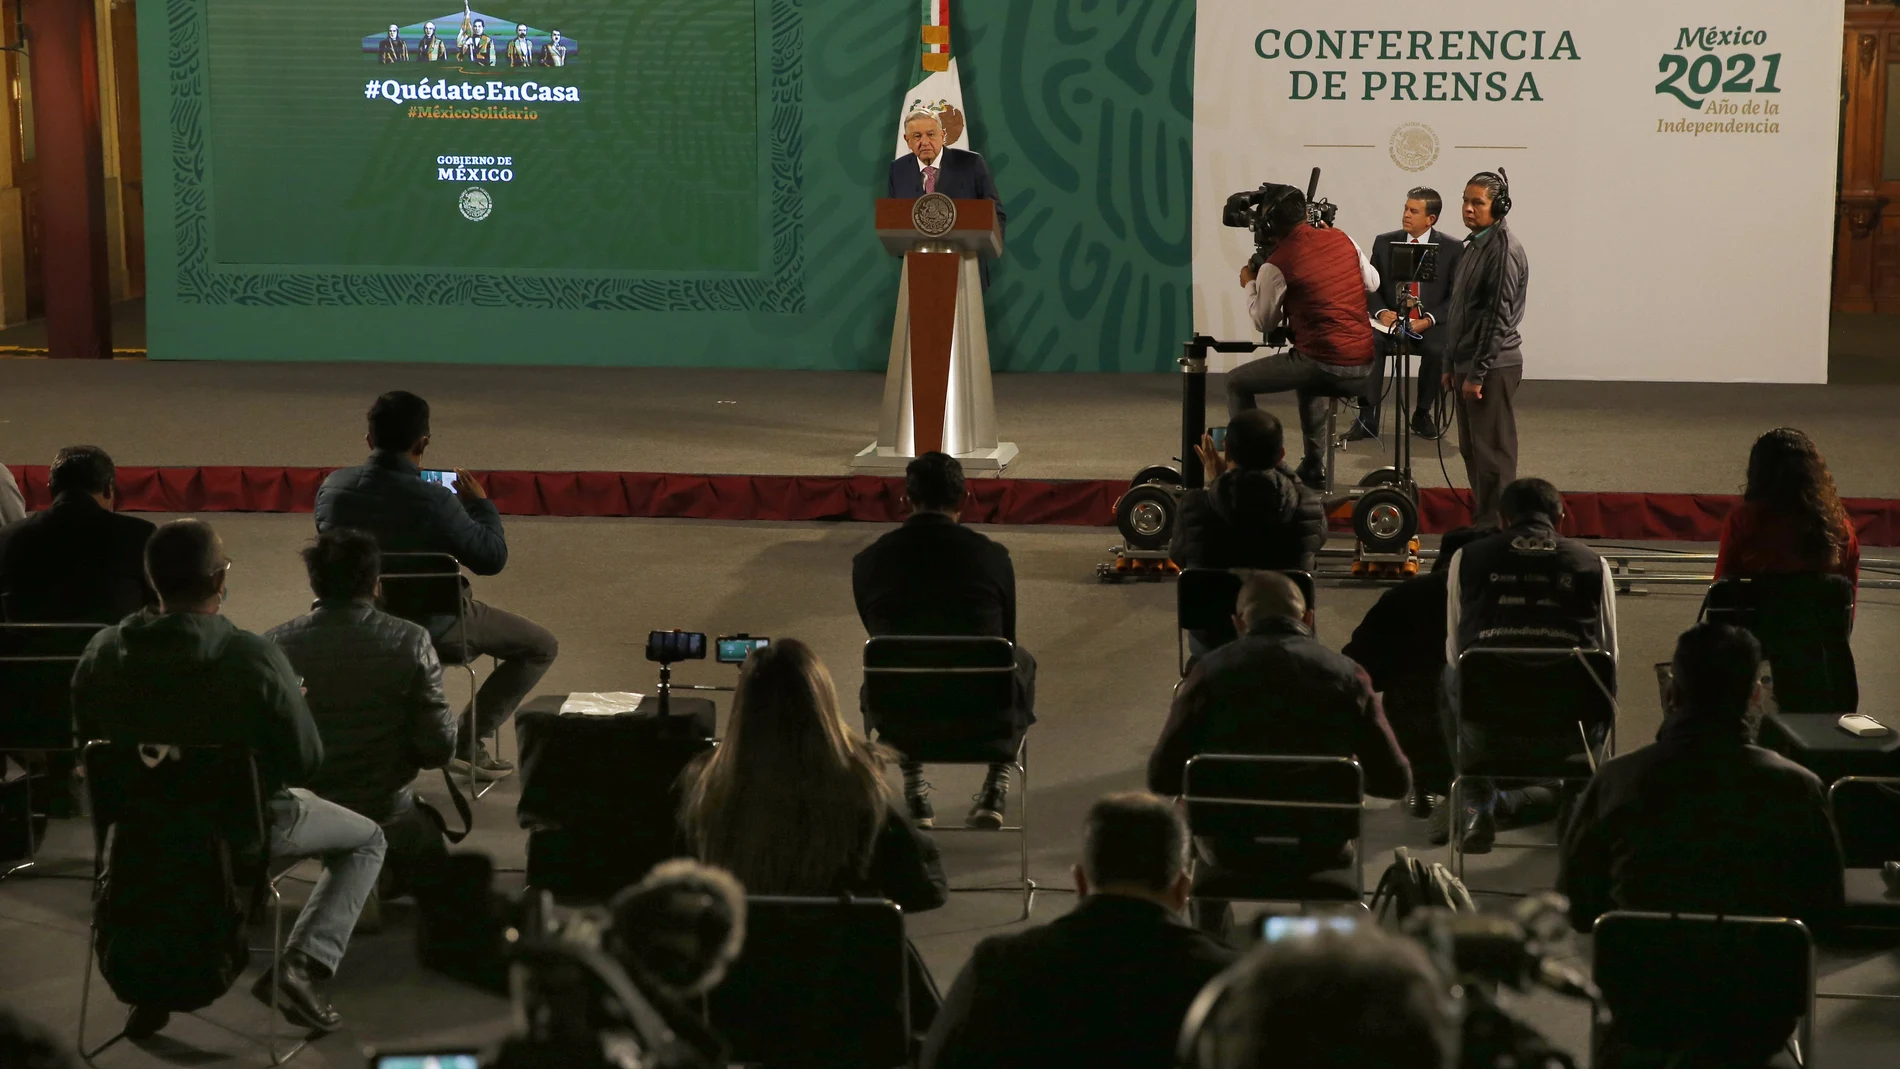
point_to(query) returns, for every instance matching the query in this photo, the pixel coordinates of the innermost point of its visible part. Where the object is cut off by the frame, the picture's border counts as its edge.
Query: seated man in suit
(934, 576)
(1704, 822)
(1393, 299)
(78, 561)
(934, 167)
(1109, 983)
(373, 683)
(1276, 690)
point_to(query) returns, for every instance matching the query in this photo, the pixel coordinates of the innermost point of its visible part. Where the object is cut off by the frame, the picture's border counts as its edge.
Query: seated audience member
(1109, 983)
(793, 802)
(148, 679)
(1704, 822)
(374, 687)
(12, 503)
(1401, 645)
(1524, 586)
(1276, 690)
(78, 561)
(387, 498)
(1791, 518)
(1334, 1000)
(934, 576)
(1254, 513)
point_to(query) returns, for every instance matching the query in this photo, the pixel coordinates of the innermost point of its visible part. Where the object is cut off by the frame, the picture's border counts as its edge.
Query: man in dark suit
(934, 576)
(1388, 303)
(78, 561)
(933, 168)
(1108, 984)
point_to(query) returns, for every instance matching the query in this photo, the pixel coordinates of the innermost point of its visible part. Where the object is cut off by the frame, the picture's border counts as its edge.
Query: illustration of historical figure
(521, 50)
(554, 53)
(393, 49)
(474, 45)
(431, 49)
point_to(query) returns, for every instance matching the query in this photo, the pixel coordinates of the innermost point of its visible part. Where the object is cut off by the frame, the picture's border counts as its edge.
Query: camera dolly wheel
(1160, 474)
(1384, 520)
(1383, 477)
(1146, 514)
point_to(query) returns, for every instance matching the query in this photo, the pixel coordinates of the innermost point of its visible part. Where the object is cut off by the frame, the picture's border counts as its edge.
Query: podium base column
(874, 457)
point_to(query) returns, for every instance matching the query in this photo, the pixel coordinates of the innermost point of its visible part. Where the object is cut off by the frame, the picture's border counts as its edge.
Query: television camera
(1258, 209)
(593, 988)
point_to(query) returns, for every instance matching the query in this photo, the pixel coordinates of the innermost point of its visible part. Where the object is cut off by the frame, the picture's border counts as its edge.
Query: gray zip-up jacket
(1488, 295)
(375, 694)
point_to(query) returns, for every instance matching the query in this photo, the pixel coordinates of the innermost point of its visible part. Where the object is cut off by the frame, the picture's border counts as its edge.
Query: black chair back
(421, 586)
(1685, 975)
(601, 795)
(821, 982)
(949, 699)
(1304, 798)
(36, 676)
(1538, 694)
(219, 785)
(1804, 624)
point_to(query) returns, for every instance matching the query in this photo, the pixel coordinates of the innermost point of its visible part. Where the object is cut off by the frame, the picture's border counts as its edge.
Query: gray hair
(926, 115)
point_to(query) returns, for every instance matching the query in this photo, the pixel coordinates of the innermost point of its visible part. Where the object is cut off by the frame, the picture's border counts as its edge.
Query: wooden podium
(937, 389)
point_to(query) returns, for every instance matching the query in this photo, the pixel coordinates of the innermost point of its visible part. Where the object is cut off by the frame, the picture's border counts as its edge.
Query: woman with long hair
(1791, 518)
(793, 802)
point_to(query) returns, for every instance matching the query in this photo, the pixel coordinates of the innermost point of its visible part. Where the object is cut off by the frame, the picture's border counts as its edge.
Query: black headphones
(1501, 201)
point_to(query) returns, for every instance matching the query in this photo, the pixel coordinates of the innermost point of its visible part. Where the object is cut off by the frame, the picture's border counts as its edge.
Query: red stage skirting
(1084, 503)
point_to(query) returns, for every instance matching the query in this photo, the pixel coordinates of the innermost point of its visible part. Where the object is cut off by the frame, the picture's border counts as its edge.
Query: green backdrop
(706, 201)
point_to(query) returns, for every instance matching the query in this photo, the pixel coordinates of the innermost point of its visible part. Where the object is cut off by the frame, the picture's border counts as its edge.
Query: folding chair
(1664, 975)
(36, 674)
(1805, 625)
(1539, 706)
(1205, 599)
(951, 700)
(1868, 903)
(820, 982)
(218, 780)
(1276, 802)
(426, 588)
(600, 796)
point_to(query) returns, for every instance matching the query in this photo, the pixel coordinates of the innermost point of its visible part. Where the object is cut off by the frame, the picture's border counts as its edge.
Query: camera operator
(1484, 350)
(1315, 281)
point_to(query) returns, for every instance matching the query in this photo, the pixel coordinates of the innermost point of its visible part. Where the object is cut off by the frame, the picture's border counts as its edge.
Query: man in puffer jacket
(374, 686)
(1254, 513)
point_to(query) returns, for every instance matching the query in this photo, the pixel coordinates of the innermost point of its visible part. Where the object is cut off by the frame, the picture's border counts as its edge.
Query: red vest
(1325, 296)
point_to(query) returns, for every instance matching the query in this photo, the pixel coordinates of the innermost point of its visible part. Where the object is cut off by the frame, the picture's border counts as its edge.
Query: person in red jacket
(1315, 282)
(1791, 519)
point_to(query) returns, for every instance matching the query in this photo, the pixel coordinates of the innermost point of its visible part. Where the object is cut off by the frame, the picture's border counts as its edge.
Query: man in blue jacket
(388, 498)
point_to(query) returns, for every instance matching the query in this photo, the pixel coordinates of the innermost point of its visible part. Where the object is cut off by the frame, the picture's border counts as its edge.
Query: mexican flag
(934, 85)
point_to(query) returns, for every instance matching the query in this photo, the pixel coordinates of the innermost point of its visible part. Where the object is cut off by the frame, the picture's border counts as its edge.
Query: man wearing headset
(1482, 343)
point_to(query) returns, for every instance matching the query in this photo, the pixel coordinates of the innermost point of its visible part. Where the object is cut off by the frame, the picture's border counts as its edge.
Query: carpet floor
(1107, 670)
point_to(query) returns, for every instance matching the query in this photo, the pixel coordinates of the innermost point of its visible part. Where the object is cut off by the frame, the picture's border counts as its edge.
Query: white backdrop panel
(1658, 251)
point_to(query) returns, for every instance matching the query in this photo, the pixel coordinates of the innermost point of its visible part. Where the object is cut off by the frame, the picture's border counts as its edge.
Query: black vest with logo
(1529, 586)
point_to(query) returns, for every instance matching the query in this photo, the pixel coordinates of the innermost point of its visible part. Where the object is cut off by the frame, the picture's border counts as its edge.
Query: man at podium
(933, 168)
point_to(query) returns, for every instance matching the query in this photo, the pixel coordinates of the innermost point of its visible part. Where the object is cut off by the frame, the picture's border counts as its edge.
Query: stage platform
(1637, 461)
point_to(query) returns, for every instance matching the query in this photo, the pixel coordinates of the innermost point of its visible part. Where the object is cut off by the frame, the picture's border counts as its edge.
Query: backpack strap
(461, 810)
